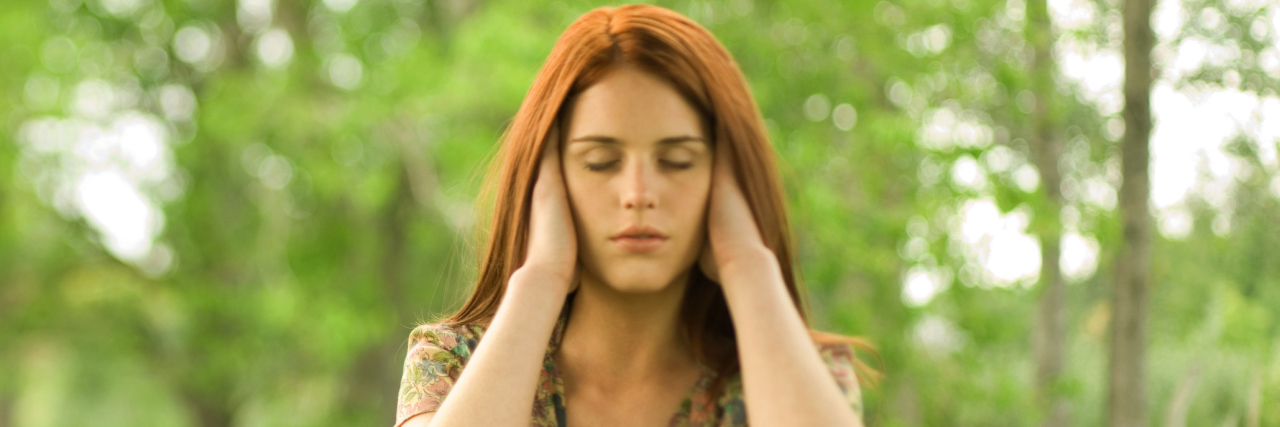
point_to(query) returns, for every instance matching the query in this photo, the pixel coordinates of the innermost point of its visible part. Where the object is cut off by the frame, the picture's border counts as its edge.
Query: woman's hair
(684, 53)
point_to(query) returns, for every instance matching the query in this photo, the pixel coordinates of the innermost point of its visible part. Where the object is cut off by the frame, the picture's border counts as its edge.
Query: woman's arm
(500, 381)
(784, 379)
(498, 385)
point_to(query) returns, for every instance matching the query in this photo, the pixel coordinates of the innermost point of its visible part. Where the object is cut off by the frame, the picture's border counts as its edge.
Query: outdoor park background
(218, 213)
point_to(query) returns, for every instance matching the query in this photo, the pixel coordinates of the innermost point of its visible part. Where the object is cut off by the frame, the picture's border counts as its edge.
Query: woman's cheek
(594, 199)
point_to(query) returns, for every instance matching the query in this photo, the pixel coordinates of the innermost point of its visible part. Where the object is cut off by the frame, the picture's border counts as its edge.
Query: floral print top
(438, 353)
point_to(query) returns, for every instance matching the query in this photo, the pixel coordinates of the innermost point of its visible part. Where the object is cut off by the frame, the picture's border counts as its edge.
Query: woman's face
(637, 166)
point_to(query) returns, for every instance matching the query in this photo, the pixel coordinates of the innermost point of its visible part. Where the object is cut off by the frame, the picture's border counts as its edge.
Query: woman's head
(691, 88)
(637, 163)
(607, 53)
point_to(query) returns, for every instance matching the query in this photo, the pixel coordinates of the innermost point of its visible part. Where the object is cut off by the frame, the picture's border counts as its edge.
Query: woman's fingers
(731, 227)
(721, 174)
(552, 239)
(549, 178)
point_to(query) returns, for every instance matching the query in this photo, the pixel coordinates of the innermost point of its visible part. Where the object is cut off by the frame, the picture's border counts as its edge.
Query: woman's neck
(619, 338)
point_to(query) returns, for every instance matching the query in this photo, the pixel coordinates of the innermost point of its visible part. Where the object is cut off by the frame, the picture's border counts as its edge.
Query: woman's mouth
(639, 239)
(639, 243)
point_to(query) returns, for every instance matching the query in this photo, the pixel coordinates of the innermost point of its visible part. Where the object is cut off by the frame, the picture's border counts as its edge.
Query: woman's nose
(637, 190)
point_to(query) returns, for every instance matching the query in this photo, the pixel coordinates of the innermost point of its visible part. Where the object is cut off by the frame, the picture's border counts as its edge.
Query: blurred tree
(1128, 403)
(297, 178)
(1045, 138)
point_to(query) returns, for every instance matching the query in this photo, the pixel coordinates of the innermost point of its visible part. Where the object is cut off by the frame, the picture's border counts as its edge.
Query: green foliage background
(307, 226)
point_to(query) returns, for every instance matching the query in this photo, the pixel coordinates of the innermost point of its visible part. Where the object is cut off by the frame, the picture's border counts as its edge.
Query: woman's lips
(636, 244)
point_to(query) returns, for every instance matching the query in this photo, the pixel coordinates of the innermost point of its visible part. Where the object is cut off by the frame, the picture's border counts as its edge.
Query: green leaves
(318, 200)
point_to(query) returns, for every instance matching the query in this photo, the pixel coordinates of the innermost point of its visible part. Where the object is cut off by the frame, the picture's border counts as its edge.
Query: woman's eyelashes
(604, 166)
(676, 165)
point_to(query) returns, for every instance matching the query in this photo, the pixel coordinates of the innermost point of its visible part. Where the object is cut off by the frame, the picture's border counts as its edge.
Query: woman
(638, 269)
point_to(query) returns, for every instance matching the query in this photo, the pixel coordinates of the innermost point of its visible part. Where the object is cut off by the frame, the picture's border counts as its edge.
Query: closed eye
(597, 167)
(676, 165)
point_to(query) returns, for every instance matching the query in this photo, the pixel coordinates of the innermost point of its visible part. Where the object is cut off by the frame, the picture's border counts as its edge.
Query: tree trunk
(1180, 403)
(6, 410)
(1253, 418)
(1046, 142)
(1128, 400)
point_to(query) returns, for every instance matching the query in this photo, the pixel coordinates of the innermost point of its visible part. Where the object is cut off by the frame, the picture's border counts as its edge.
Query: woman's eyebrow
(664, 141)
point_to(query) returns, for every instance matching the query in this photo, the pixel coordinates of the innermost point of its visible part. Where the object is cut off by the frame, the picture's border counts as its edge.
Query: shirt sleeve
(839, 360)
(433, 364)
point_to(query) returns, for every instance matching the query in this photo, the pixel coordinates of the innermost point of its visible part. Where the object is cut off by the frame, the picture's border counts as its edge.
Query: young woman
(639, 268)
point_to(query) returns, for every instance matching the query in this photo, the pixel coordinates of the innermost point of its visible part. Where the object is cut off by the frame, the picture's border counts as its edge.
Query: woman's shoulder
(838, 355)
(436, 356)
(458, 340)
(841, 361)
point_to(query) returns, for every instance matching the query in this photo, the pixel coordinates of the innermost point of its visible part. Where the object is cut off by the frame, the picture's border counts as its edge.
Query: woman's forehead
(630, 105)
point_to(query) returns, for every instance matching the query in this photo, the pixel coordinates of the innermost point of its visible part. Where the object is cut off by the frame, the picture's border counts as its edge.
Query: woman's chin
(638, 287)
(641, 280)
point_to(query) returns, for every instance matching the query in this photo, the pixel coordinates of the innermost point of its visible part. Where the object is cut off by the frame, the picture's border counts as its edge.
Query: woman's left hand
(732, 233)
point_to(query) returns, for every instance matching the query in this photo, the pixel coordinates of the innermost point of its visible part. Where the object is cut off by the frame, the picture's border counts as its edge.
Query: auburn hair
(676, 48)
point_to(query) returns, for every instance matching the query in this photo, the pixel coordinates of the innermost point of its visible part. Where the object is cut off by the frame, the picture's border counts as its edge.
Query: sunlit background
(219, 213)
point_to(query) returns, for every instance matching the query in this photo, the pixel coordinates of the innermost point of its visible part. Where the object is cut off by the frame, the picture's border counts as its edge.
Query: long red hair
(676, 48)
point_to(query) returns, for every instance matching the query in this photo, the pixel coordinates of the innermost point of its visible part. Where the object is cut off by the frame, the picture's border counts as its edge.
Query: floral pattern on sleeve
(732, 411)
(839, 359)
(434, 362)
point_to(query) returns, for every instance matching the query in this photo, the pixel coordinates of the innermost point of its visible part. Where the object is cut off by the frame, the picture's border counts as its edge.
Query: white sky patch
(1167, 19)
(1100, 75)
(1079, 256)
(1269, 130)
(1174, 223)
(1000, 243)
(1191, 125)
(967, 173)
(921, 284)
(110, 167)
(1193, 132)
(1072, 14)
(113, 205)
(141, 143)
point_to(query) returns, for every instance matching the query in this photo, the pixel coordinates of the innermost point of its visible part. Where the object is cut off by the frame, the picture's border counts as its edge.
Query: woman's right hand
(552, 240)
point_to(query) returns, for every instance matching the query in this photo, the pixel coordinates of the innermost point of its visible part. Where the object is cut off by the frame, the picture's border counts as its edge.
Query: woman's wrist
(538, 276)
(748, 264)
(745, 257)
